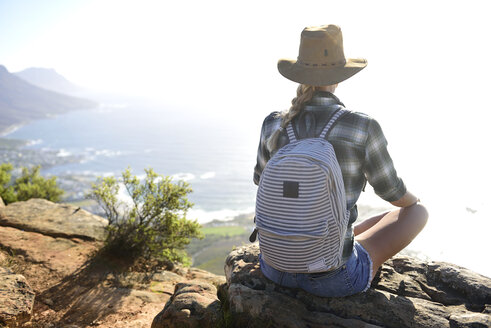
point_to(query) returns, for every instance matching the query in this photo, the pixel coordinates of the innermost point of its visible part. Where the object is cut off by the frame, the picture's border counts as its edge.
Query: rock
(166, 276)
(199, 274)
(16, 299)
(194, 301)
(56, 220)
(405, 293)
(194, 304)
(54, 253)
(49, 302)
(2, 204)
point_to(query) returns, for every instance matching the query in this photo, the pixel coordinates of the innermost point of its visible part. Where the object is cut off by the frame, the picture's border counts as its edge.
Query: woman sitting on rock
(306, 201)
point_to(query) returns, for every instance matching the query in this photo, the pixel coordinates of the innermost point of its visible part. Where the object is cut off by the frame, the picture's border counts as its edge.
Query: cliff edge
(51, 274)
(54, 277)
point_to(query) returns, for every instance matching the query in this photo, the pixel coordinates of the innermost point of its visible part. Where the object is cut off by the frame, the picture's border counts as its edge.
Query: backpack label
(317, 266)
(290, 189)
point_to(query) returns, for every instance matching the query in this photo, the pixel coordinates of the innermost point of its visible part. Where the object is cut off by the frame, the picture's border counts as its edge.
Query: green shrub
(6, 190)
(29, 185)
(153, 224)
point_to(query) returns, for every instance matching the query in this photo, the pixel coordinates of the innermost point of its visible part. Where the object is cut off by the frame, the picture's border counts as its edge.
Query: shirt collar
(324, 98)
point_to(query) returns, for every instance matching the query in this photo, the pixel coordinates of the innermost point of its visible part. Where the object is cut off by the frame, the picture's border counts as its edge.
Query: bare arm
(405, 201)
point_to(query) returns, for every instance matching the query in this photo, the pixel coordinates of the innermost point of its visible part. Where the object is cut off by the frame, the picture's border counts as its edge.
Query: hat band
(335, 64)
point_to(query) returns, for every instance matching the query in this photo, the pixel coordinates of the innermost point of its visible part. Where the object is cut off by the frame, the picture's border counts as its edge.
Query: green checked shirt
(360, 146)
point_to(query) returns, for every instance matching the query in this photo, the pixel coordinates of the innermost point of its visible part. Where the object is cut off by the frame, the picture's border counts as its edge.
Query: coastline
(11, 129)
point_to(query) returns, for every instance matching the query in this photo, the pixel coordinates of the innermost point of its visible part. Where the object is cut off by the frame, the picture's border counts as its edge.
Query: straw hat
(321, 58)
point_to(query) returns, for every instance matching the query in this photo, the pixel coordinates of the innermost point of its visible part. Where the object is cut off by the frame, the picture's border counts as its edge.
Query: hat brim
(320, 75)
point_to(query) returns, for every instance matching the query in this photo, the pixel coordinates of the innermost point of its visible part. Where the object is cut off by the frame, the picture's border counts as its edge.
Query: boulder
(56, 220)
(2, 204)
(16, 299)
(194, 305)
(406, 292)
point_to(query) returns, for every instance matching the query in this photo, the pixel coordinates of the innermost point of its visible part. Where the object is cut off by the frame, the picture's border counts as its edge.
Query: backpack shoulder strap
(253, 236)
(290, 132)
(340, 112)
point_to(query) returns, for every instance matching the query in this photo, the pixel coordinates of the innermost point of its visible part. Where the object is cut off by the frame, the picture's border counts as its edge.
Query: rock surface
(59, 255)
(194, 304)
(52, 246)
(56, 220)
(107, 298)
(74, 285)
(2, 204)
(16, 299)
(406, 292)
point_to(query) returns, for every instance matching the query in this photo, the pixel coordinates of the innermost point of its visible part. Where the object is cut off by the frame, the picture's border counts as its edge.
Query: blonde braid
(304, 94)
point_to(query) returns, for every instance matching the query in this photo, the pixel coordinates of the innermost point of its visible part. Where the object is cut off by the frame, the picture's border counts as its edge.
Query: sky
(162, 48)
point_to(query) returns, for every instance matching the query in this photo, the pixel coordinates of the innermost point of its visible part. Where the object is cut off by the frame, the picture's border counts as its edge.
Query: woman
(361, 151)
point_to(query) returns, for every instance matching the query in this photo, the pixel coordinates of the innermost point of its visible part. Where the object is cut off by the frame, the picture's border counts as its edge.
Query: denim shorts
(351, 278)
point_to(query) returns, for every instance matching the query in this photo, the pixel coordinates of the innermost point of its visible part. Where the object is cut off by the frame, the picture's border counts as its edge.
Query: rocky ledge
(51, 219)
(51, 275)
(406, 292)
(52, 245)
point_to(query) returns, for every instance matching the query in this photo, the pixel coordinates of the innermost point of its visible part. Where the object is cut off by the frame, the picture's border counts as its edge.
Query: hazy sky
(426, 79)
(162, 48)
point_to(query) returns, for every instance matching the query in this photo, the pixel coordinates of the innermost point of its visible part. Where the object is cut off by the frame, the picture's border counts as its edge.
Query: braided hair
(304, 95)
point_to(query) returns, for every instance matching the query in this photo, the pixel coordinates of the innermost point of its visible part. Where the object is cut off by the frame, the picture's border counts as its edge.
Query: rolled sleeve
(262, 152)
(260, 164)
(379, 167)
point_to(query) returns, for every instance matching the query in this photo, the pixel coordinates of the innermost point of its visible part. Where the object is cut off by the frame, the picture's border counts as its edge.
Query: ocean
(216, 155)
(201, 150)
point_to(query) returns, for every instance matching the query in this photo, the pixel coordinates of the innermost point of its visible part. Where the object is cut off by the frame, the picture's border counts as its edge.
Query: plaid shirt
(359, 143)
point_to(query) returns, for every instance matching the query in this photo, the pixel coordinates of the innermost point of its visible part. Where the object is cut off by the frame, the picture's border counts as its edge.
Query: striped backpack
(301, 215)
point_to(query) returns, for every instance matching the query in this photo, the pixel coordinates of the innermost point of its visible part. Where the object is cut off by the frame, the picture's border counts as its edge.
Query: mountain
(48, 78)
(22, 102)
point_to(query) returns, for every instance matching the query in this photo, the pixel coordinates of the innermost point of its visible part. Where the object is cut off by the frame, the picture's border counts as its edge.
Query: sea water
(205, 151)
(216, 154)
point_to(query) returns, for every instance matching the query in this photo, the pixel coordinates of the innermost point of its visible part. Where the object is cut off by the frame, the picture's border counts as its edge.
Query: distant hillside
(48, 78)
(220, 238)
(22, 102)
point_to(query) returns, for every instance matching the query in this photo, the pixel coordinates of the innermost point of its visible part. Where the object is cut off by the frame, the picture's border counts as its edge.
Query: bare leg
(368, 223)
(392, 232)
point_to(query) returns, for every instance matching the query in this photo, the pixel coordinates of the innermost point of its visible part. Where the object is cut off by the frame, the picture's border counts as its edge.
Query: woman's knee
(417, 213)
(423, 214)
